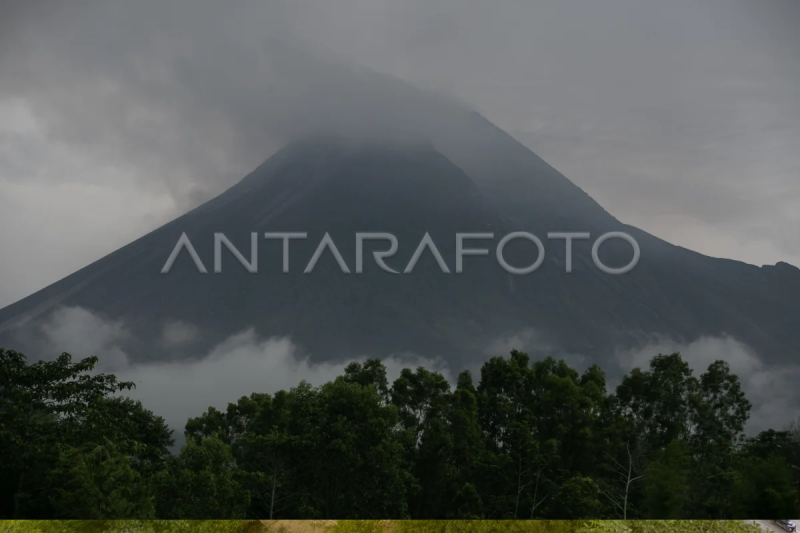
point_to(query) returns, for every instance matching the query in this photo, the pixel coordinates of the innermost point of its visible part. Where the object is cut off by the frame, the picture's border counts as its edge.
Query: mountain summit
(477, 181)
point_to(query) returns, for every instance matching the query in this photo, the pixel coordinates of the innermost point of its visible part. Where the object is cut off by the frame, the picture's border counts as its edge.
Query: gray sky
(681, 117)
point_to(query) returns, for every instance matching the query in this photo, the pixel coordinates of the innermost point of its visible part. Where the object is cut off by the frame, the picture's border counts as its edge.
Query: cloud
(178, 332)
(534, 342)
(59, 211)
(78, 331)
(239, 366)
(523, 340)
(771, 389)
(183, 106)
(246, 363)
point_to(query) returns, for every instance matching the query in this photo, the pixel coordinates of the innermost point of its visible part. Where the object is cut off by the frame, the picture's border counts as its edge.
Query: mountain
(468, 177)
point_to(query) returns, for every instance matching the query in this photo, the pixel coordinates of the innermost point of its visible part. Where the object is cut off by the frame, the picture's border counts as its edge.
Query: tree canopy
(527, 439)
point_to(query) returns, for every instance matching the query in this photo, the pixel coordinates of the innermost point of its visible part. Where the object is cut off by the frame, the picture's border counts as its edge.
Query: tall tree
(98, 482)
(42, 406)
(419, 396)
(348, 436)
(667, 483)
(201, 483)
(370, 372)
(719, 409)
(658, 401)
(626, 473)
(578, 497)
(468, 449)
(505, 394)
(718, 413)
(763, 488)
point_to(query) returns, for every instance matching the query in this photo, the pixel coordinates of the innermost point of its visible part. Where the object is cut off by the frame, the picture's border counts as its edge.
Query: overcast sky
(681, 117)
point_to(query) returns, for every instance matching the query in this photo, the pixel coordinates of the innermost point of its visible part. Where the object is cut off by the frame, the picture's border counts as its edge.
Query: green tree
(667, 483)
(657, 402)
(371, 372)
(763, 488)
(771, 443)
(505, 395)
(42, 406)
(578, 497)
(626, 473)
(348, 436)
(718, 413)
(136, 432)
(468, 450)
(97, 482)
(419, 396)
(201, 483)
(269, 472)
(532, 439)
(249, 414)
(719, 408)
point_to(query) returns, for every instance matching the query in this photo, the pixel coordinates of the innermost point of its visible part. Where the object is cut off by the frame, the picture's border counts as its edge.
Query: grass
(377, 526)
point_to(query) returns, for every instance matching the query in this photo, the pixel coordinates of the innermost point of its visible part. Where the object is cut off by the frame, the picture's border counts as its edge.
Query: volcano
(479, 181)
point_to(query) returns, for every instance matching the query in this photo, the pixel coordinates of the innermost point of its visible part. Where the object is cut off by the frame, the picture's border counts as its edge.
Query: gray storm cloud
(246, 363)
(679, 117)
(192, 94)
(239, 366)
(78, 331)
(197, 92)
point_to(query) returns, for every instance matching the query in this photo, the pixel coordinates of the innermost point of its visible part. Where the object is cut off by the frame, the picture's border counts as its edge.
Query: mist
(246, 363)
(178, 390)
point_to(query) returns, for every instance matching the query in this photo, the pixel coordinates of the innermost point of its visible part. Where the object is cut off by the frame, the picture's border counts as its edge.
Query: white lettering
(184, 242)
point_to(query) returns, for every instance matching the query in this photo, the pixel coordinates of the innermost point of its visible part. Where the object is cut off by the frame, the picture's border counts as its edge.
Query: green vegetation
(379, 526)
(529, 440)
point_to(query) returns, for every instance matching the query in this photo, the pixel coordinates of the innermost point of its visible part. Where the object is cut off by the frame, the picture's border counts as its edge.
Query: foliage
(388, 526)
(201, 484)
(667, 482)
(50, 404)
(763, 488)
(526, 439)
(97, 482)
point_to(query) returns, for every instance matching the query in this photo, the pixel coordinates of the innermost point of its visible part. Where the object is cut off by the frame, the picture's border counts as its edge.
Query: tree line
(525, 440)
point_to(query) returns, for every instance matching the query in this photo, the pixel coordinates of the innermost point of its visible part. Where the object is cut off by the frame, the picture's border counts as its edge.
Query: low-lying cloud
(78, 331)
(246, 363)
(772, 390)
(177, 333)
(536, 344)
(242, 364)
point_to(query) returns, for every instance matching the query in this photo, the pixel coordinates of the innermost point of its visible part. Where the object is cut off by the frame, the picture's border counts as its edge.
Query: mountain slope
(480, 180)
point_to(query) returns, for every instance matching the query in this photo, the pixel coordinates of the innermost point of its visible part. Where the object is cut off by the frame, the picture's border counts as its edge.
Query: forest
(527, 439)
